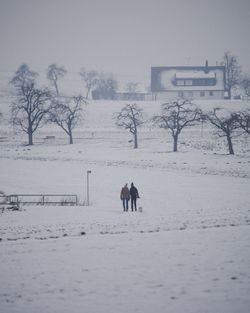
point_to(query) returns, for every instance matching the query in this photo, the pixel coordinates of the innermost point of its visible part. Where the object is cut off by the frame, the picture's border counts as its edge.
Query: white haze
(122, 37)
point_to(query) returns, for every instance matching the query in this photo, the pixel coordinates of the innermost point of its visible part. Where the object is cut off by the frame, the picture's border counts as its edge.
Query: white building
(189, 82)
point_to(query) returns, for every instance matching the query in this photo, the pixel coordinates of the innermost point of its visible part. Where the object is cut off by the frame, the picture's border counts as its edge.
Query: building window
(190, 94)
(180, 82)
(204, 82)
(202, 93)
(211, 93)
(188, 82)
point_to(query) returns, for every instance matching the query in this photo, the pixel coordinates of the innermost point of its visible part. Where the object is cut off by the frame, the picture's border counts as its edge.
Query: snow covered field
(188, 251)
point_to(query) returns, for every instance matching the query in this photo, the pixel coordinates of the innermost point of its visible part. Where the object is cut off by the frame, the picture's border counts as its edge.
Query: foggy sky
(124, 37)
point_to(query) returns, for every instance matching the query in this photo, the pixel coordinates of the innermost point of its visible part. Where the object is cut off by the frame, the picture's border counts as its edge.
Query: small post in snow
(88, 172)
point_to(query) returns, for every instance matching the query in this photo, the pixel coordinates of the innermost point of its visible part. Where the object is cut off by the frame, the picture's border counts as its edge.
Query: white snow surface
(187, 251)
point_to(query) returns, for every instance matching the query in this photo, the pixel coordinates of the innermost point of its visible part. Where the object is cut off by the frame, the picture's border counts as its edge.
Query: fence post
(17, 202)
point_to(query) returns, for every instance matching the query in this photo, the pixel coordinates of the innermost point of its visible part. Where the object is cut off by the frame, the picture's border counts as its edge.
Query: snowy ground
(188, 251)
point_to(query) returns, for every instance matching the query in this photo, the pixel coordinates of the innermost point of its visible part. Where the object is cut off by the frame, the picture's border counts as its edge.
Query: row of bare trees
(34, 106)
(102, 86)
(179, 114)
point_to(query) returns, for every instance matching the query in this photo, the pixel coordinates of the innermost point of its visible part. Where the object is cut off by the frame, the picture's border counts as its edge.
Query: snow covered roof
(193, 77)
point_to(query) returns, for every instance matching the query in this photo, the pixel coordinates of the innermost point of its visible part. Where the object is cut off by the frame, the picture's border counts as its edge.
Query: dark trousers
(133, 204)
(125, 204)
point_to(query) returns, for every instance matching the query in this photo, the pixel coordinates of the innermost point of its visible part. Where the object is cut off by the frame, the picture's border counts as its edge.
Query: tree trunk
(135, 140)
(230, 145)
(229, 93)
(87, 93)
(56, 87)
(30, 138)
(175, 137)
(70, 137)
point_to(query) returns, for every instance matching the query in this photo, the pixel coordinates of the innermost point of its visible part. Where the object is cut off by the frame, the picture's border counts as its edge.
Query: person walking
(134, 195)
(125, 197)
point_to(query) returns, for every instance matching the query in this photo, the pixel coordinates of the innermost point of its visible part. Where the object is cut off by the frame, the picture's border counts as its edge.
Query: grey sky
(123, 37)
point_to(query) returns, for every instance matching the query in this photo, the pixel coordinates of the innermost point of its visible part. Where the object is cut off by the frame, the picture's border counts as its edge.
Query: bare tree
(245, 84)
(243, 120)
(31, 105)
(54, 73)
(130, 117)
(90, 79)
(225, 123)
(23, 77)
(177, 115)
(67, 113)
(131, 87)
(29, 110)
(232, 71)
(106, 87)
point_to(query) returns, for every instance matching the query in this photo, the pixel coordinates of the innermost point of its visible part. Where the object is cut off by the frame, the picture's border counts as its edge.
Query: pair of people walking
(127, 194)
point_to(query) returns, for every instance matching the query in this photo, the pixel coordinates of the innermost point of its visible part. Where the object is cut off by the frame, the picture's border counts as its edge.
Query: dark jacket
(134, 192)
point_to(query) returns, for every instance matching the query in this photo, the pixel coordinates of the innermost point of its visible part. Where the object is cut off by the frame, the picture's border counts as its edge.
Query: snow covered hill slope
(187, 251)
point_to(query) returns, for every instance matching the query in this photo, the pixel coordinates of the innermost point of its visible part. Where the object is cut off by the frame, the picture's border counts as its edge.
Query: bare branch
(67, 113)
(130, 117)
(105, 88)
(23, 76)
(232, 71)
(243, 120)
(32, 104)
(225, 123)
(176, 115)
(245, 84)
(90, 79)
